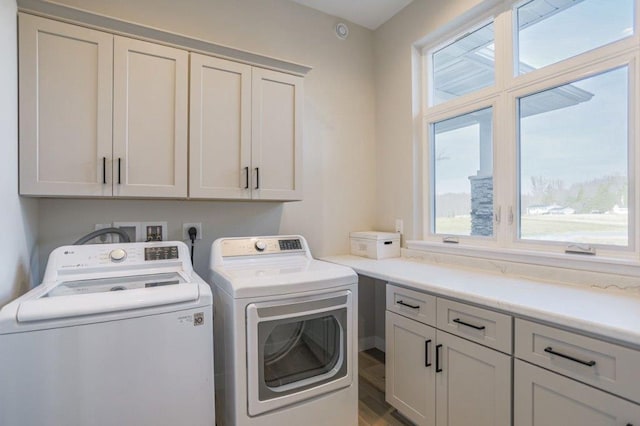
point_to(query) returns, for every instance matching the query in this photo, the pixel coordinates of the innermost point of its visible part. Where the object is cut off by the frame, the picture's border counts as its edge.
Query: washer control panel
(98, 255)
(118, 255)
(161, 253)
(262, 245)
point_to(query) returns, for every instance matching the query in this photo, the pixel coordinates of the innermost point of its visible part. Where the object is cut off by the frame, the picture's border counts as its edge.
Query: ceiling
(368, 13)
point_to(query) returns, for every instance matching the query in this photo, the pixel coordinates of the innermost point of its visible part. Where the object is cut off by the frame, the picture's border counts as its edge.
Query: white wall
(393, 43)
(18, 217)
(339, 137)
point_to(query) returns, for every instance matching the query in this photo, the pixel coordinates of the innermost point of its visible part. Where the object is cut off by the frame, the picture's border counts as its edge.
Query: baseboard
(379, 343)
(370, 342)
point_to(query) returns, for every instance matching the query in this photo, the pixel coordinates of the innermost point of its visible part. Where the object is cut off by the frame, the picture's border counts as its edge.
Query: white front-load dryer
(285, 334)
(117, 334)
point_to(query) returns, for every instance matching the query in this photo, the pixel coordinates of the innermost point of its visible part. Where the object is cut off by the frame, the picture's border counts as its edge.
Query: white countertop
(611, 315)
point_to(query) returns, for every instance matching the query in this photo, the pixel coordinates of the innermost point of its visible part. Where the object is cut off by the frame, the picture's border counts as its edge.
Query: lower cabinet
(436, 378)
(543, 398)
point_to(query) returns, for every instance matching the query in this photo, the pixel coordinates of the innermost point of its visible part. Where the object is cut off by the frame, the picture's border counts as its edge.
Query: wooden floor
(372, 408)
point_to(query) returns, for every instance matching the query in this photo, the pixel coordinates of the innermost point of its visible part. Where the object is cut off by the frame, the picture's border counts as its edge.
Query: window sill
(573, 268)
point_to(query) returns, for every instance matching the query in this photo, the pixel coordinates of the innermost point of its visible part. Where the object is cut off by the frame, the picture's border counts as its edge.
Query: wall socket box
(131, 228)
(399, 226)
(185, 230)
(154, 231)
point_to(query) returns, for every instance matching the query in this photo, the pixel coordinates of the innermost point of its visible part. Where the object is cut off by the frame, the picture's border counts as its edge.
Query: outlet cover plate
(185, 230)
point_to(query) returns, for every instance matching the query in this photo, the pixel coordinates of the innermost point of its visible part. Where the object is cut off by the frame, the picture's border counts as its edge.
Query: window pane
(573, 162)
(463, 174)
(464, 66)
(551, 31)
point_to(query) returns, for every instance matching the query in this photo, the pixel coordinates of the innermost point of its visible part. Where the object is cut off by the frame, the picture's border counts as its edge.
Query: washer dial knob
(261, 245)
(118, 255)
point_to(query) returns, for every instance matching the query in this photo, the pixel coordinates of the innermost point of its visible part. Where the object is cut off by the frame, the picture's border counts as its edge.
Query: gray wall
(18, 217)
(339, 137)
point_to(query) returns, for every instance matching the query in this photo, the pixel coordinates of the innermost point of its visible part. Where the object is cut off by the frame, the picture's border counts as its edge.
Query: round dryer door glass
(297, 351)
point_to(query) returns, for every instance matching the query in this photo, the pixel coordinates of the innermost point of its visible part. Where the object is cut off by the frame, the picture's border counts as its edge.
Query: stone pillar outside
(481, 205)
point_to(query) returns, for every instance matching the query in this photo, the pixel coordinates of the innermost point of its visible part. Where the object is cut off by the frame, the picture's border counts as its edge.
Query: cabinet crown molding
(130, 29)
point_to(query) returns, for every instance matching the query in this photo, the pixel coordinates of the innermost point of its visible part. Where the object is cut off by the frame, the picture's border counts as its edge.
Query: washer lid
(279, 276)
(95, 296)
(104, 285)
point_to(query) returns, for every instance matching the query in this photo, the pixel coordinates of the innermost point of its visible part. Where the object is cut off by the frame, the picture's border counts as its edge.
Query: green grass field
(581, 228)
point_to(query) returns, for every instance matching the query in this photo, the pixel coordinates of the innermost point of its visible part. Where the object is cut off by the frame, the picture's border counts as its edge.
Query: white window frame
(503, 98)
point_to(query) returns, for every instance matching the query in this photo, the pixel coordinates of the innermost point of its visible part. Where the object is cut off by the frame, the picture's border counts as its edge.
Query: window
(464, 66)
(573, 162)
(540, 160)
(550, 31)
(463, 174)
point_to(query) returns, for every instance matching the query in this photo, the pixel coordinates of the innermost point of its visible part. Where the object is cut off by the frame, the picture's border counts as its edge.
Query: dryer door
(298, 349)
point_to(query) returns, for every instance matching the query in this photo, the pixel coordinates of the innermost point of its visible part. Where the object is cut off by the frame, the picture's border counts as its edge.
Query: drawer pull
(427, 363)
(477, 327)
(550, 350)
(400, 302)
(438, 368)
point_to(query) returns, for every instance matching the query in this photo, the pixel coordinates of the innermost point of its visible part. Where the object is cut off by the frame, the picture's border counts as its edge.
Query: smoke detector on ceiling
(342, 31)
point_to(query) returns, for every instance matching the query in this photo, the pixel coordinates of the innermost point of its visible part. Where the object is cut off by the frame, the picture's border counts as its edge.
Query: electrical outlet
(399, 226)
(185, 230)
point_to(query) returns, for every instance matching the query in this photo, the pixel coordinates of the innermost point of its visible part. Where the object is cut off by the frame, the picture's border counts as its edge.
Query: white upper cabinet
(277, 135)
(104, 115)
(65, 109)
(220, 129)
(245, 132)
(150, 104)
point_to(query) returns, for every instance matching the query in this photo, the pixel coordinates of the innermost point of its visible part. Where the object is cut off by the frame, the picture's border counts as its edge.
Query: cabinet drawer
(543, 398)
(412, 304)
(479, 325)
(604, 365)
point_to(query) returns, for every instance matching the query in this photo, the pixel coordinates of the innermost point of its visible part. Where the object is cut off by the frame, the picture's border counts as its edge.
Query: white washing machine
(285, 334)
(116, 334)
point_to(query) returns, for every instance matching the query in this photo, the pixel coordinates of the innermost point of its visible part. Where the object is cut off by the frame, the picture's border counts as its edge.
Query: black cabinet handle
(119, 167)
(400, 302)
(246, 176)
(438, 367)
(257, 178)
(427, 363)
(550, 350)
(104, 170)
(477, 327)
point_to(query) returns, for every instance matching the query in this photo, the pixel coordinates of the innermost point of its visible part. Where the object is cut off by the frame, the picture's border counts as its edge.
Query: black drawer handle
(104, 170)
(119, 174)
(477, 327)
(427, 363)
(550, 350)
(257, 178)
(246, 176)
(388, 243)
(400, 302)
(438, 368)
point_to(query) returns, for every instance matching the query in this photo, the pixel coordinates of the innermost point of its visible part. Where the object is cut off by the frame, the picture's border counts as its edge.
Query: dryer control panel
(253, 246)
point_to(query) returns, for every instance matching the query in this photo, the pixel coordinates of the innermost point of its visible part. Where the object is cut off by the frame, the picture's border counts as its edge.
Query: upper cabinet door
(65, 109)
(150, 120)
(219, 129)
(277, 135)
